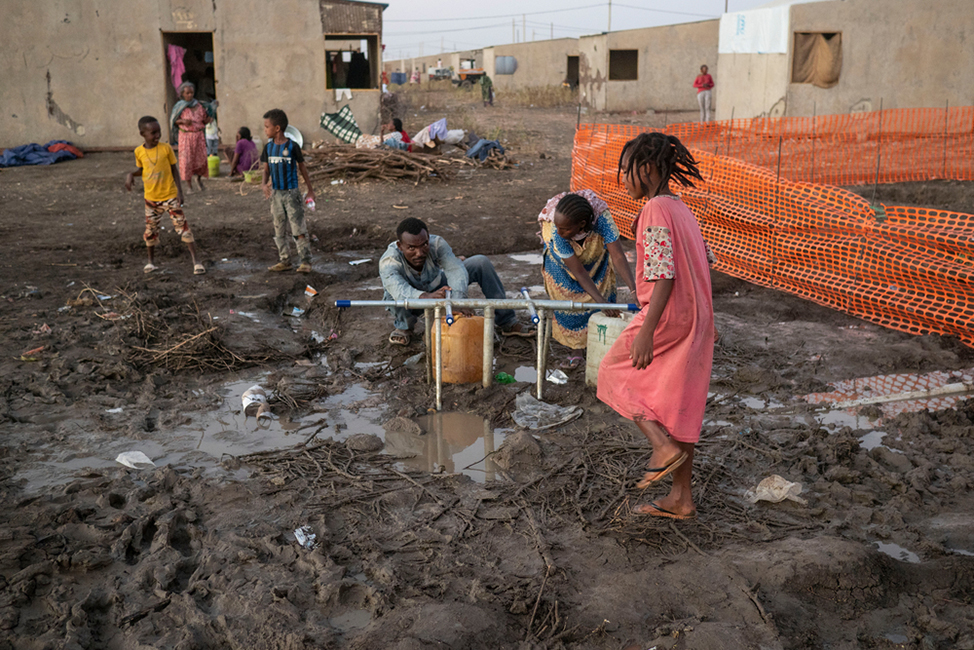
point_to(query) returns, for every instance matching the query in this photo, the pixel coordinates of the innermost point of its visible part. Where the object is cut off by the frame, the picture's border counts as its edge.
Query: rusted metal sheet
(345, 17)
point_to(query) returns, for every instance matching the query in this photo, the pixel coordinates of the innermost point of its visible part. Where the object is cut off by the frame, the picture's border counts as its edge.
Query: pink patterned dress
(672, 390)
(192, 144)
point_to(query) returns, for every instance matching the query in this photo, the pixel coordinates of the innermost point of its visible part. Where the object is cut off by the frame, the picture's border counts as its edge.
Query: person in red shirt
(704, 83)
(397, 138)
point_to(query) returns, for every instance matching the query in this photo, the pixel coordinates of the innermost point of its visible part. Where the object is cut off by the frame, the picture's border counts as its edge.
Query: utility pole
(524, 27)
(533, 34)
(552, 31)
(609, 29)
(725, 6)
(513, 30)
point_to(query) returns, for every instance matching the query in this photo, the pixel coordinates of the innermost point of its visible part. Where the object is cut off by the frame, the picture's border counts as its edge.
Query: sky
(423, 27)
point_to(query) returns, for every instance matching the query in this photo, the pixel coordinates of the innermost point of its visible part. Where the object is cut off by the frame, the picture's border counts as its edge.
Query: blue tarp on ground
(34, 154)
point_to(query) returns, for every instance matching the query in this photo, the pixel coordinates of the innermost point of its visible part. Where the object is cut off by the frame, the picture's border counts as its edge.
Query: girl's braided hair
(666, 153)
(577, 210)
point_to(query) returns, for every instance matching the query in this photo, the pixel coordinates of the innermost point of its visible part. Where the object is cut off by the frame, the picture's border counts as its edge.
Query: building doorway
(572, 76)
(194, 51)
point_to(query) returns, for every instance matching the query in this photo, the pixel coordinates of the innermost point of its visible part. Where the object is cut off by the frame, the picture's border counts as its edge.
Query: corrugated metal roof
(348, 17)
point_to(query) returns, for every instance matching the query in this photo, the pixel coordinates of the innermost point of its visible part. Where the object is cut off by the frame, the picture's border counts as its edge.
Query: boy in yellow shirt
(156, 163)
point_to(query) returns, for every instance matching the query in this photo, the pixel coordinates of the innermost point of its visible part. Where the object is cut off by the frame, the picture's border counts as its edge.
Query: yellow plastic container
(463, 350)
(602, 333)
(213, 163)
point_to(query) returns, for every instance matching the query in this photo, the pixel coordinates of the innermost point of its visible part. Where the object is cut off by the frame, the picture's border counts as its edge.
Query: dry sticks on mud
(332, 162)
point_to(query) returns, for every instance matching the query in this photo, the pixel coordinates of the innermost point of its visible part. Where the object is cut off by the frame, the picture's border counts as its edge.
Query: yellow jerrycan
(463, 350)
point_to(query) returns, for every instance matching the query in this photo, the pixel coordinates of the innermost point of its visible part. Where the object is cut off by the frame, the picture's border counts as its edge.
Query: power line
(530, 13)
(667, 11)
(444, 31)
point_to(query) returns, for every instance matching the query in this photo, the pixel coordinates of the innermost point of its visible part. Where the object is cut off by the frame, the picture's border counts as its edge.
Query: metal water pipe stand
(435, 309)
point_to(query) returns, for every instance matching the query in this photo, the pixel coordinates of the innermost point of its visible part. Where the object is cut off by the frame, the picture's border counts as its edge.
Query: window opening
(623, 65)
(817, 58)
(352, 61)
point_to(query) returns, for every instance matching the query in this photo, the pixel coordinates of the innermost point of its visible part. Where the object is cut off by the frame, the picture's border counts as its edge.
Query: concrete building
(456, 60)
(651, 68)
(87, 70)
(833, 57)
(535, 63)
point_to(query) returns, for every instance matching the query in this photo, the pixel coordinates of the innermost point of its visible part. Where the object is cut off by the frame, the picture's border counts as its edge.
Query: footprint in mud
(135, 540)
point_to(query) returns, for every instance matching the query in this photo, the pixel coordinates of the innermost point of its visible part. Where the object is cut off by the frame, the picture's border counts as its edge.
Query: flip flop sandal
(199, 269)
(149, 268)
(520, 330)
(399, 337)
(653, 509)
(662, 472)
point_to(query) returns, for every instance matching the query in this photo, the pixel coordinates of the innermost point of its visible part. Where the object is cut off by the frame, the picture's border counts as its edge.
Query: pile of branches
(345, 162)
(177, 337)
(339, 161)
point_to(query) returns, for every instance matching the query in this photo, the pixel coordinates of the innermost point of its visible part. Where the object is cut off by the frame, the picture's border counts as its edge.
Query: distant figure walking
(704, 84)
(487, 90)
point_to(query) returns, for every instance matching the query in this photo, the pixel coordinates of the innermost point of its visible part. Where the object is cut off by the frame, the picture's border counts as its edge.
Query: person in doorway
(212, 132)
(487, 90)
(704, 84)
(243, 157)
(191, 116)
(582, 256)
(657, 373)
(422, 266)
(282, 160)
(155, 162)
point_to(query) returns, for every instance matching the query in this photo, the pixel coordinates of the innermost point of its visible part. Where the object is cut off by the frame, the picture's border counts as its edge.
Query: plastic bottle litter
(309, 204)
(504, 378)
(135, 460)
(775, 489)
(252, 399)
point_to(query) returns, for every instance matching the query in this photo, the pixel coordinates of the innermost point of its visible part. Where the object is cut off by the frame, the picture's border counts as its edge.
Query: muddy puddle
(448, 442)
(451, 443)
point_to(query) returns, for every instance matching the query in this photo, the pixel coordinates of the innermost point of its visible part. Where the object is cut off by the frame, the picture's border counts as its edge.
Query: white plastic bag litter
(306, 537)
(135, 460)
(556, 377)
(775, 489)
(454, 136)
(534, 414)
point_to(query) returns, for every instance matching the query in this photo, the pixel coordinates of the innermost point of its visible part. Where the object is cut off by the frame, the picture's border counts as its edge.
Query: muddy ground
(534, 547)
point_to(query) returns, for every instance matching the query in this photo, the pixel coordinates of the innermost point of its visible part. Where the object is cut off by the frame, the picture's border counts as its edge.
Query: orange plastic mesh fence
(891, 146)
(909, 269)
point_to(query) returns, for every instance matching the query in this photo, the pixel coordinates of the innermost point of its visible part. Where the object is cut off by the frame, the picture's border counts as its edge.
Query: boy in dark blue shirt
(282, 160)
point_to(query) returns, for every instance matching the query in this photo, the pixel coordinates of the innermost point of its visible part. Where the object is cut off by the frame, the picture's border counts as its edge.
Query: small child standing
(282, 159)
(155, 162)
(212, 133)
(657, 373)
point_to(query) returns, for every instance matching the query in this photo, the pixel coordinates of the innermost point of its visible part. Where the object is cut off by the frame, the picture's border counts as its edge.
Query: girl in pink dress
(657, 373)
